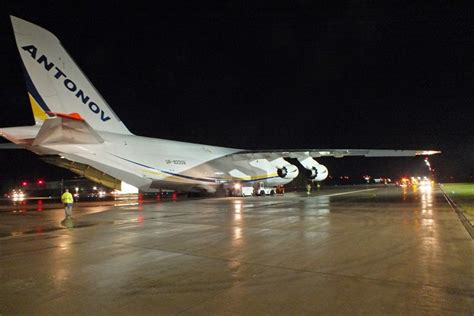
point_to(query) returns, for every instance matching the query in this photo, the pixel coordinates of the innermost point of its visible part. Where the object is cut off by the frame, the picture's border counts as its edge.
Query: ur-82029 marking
(175, 162)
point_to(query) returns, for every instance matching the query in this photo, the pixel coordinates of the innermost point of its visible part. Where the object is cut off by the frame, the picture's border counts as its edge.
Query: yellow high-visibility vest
(67, 198)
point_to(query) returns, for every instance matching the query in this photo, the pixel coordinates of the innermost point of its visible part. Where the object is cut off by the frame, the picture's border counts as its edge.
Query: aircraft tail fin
(56, 84)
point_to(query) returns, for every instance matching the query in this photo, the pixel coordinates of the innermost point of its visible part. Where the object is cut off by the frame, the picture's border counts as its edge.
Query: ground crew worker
(67, 200)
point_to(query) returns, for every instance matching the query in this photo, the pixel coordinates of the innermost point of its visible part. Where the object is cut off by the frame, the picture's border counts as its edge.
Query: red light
(24, 183)
(40, 182)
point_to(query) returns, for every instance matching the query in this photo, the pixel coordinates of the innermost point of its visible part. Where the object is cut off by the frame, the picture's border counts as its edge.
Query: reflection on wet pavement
(383, 251)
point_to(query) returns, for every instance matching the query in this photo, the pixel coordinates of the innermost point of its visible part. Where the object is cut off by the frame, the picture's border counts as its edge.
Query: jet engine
(285, 169)
(288, 172)
(314, 170)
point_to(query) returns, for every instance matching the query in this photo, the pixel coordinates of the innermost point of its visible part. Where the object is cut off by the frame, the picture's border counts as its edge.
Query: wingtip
(428, 152)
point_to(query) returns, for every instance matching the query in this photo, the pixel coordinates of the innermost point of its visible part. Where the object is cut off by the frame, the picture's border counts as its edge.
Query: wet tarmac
(385, 250)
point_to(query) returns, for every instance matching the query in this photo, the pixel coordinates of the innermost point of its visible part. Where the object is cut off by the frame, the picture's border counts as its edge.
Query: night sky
(363, 74)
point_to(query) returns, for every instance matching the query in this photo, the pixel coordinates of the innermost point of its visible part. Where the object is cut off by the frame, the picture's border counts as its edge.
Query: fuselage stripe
(34, 92)
(167, 172)
(213, 180)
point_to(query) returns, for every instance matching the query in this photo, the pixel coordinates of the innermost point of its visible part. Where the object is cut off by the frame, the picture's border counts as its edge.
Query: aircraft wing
(337, 153)
(250, 165)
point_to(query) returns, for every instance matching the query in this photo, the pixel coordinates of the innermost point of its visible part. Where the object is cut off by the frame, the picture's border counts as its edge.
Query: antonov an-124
(76, 129)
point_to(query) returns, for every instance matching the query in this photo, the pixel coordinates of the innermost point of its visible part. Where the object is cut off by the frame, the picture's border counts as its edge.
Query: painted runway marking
(350, 192)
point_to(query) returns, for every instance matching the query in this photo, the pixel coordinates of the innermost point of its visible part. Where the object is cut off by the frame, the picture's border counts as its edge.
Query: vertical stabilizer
(56, 84)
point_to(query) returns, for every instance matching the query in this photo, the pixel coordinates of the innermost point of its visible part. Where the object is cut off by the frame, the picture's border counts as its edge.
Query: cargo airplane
(76, 129)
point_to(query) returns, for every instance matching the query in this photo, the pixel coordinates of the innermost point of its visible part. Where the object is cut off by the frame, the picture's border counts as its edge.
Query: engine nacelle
(285, 169)
(288, 171)
(314, 170)
(318, 173)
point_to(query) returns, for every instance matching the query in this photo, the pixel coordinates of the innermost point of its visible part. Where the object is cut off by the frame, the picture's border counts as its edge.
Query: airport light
(24, 183)
(40, 182)
(18, 196)
(427, 162)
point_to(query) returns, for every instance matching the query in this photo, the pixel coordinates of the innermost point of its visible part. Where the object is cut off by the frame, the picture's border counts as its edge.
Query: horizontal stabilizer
(65, 130)
(20, 135)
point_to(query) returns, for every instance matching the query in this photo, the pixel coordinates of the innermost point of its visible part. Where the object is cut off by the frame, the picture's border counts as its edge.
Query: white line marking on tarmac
(350, 192)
